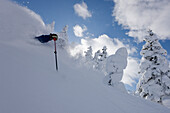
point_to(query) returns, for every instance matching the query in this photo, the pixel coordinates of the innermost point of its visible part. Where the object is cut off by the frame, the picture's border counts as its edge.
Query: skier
(47, 38)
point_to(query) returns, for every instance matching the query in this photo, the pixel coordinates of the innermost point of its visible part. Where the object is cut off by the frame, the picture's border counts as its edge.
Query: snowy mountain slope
(29, 82)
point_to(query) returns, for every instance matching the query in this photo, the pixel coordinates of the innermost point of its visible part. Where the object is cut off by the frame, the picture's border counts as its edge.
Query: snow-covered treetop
(119, 60)
(63, 38)
(122, 52)
(65, 29)
(88, 53)
(151, 34)
(104, 48)
(152, 46)
(96, 56)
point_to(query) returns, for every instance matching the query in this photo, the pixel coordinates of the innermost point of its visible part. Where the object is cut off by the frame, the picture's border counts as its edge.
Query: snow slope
(29, 82)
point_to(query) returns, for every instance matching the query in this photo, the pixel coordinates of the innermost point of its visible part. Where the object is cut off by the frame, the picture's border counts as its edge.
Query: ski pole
(55, 52)
(54, 37)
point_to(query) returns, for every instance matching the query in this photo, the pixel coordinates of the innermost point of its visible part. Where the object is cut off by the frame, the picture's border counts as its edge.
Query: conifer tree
(62, 41)
(154, 83)
(100, 59)
(103, 55)
(88, 54)
(96, 60)
(88, 61)
(115, 65)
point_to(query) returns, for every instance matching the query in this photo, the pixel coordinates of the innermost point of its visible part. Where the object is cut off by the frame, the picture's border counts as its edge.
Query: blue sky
(62, 12)
(101, 20)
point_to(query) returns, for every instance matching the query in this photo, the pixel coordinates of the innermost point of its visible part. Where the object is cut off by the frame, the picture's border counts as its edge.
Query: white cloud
(140, 15)
(78, 30)
(82, 10)
(130, 73)
(98, 43)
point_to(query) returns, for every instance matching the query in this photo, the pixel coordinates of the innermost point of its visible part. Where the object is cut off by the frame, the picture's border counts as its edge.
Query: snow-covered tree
(100, 59)
(96, 60)
(154, 83)
(88, 57)
(88, 54)
(114, 68)
(63, 38)
(103, 55)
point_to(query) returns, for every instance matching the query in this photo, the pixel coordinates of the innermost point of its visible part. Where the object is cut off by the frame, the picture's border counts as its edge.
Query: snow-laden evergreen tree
(62, 41)
(88, 54)
(103, 55)
(89, 57)
(100, 59)
(96, 60)
(154, 83)
(114, 68)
